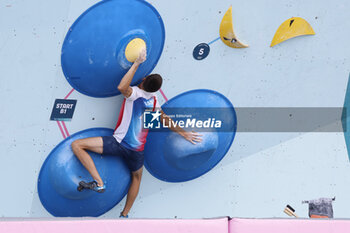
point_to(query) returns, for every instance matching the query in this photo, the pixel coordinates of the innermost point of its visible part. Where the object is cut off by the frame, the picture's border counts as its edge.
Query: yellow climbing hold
(227, 34)
(291, 28)
(134, 48)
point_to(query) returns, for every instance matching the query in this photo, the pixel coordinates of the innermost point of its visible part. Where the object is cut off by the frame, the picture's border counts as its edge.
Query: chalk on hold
(134, 48)
(291, 28)
(184, 155)
(227, 34)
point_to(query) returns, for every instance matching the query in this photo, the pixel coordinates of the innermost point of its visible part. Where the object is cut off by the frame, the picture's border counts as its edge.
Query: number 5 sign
(201, 51)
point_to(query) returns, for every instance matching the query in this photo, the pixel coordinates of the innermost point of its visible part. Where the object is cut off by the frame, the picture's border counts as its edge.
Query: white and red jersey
(129, 131)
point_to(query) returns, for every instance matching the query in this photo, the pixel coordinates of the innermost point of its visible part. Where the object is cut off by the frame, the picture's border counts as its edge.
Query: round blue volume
(93, 53)
(169, 157)
(61, 173)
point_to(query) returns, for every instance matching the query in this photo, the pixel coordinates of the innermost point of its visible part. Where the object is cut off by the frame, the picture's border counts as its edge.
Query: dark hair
(152, 83)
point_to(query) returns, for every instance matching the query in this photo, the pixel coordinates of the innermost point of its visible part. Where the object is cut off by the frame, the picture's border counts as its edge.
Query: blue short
(134, 159)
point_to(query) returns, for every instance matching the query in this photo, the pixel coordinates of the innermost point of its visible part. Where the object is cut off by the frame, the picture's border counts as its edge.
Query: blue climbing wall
(261, 173)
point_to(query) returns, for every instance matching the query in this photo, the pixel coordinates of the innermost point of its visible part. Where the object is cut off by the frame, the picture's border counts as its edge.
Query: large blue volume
(169, 157)
(62, 171)
(93, 53)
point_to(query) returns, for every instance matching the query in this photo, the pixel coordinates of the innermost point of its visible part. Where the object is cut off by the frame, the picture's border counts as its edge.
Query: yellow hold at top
(133, 49)
(227, 34)
(291, 28)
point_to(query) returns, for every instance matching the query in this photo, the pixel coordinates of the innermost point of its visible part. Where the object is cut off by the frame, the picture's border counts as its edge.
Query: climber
(129, 137)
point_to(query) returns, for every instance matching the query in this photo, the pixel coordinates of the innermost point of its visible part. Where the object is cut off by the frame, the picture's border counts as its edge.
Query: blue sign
(63, 110)
(201, 51)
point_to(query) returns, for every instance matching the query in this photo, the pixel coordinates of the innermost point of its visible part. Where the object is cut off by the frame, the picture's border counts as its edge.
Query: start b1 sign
(63, 110)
